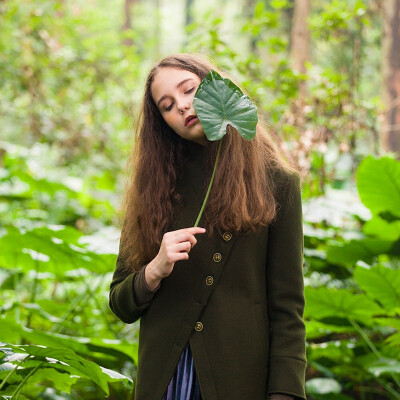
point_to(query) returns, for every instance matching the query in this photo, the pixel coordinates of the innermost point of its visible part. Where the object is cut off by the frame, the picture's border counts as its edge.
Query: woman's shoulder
(286, 182)
(285, 177)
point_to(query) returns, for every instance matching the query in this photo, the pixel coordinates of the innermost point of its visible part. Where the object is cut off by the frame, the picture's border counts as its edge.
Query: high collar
(194, 172)
(194, 150)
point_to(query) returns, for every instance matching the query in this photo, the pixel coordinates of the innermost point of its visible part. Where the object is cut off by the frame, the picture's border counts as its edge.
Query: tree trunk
(128, 5)
(288, 15)
(157, 29)
(300, 40)
(188, 12)
(248, 8)
(390, 132)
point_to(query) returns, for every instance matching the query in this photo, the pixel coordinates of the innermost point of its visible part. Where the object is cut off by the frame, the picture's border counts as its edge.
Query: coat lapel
(200, 274)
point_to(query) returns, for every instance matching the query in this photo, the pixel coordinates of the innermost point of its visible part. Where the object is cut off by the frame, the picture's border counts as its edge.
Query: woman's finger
(185, 237)
(183, 246)
(188, 234)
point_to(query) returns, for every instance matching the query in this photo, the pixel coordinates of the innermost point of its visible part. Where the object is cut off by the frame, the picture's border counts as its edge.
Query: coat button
(198, 326)
(217, 257)
(227, 236)
(209, 280)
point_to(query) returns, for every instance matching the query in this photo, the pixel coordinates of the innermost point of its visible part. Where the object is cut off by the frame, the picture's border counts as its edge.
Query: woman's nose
(183, 106)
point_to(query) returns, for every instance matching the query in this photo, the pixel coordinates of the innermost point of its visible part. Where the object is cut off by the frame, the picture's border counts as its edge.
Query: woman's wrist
(151, 277)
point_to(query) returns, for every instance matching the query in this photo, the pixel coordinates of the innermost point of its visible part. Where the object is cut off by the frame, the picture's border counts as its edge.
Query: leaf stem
(34, 291)
(374, 350)
(365, 337)
(393, 392)
(209, 186)
(4, 381)
(19, 387)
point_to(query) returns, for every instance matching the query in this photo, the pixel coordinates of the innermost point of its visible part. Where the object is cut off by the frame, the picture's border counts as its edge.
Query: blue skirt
(184, 384)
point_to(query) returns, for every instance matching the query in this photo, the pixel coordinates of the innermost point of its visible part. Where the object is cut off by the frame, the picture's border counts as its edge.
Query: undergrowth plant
(353, 310)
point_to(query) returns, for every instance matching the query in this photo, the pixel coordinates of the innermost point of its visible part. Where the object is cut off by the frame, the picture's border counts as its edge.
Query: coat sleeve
(122, 299)
(285, 293)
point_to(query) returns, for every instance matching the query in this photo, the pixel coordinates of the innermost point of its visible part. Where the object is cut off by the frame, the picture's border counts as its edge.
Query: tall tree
(157, 28)
(248, 9)
(188, 12)
(128, 5)
(300, 39)
(390, 133)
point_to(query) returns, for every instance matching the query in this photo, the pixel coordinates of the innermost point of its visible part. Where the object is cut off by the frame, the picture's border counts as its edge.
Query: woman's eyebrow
(177, 86)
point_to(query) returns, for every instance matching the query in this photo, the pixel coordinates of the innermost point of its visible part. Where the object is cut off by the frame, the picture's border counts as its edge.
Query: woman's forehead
(167, 79)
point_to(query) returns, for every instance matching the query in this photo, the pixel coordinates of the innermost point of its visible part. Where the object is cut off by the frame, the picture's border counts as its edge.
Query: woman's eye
(169, 107)
(190, 90)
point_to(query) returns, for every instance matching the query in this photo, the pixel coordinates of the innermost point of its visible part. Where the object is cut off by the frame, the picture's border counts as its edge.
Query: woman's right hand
(175, 246)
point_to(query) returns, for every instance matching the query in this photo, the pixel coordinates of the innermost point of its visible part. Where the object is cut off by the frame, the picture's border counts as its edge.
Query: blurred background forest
(326, 78)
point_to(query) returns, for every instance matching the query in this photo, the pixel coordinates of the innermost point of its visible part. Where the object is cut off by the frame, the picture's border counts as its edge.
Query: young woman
(221, 307)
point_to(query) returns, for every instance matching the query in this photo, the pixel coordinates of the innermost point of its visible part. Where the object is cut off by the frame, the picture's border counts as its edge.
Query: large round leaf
(68, 360)
(51, 249)
(218, 103)
(323, 303)
(382, 229)
(364, 249)
(378, 182)
(380, 283)
(323, 386)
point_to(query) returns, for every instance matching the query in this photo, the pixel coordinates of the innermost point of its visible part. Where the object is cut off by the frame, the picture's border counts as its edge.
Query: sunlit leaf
(384, 366)
(324, 303)
(90, 347)
(381, 284)
(378, 182)
(323, 386)
(61, 358)
(60, 380)
(365, 249)
(383, 229)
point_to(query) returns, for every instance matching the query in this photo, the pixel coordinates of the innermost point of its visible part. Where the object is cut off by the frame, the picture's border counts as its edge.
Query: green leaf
(394, 339)
(218, 103)
(337, 352)
(94, 348)
(90, 347)
(57, 357)
(52, 249)
(323, 386)
(10, 331)
(365, 249)
(279, 4)
(323, 303)
(378, 182)
(383, 229)
(316, 329)
(381, 284)
(392, 322)
(384, 366)
(60, 380)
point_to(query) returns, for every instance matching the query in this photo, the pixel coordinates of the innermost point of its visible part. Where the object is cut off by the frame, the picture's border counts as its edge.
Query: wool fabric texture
(238, 301)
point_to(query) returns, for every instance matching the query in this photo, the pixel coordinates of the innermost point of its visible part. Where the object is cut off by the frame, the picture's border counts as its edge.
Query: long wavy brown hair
(242, 198)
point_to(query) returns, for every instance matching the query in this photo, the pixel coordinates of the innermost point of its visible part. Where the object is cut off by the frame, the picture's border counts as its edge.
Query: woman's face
(173, 91)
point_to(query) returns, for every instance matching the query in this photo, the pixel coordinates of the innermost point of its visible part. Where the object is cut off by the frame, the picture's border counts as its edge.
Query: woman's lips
(190, 120)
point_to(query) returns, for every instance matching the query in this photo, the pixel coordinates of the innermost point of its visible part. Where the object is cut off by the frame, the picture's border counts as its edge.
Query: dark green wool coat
(238, 300)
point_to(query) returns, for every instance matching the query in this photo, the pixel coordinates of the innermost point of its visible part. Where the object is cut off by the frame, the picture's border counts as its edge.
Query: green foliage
(38, 358)
(378, 182)
(382, 284)
(71, 83)
(56, 331)
(65, 79)
(362, 317)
